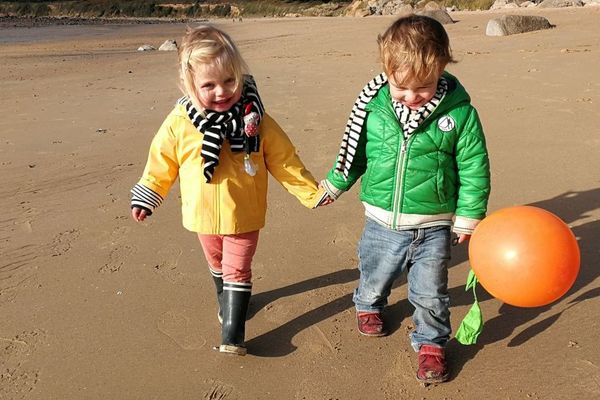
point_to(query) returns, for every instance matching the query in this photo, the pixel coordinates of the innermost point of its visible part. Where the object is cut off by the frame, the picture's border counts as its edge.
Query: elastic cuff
(465, 225)
(331, 190)
(322, 195)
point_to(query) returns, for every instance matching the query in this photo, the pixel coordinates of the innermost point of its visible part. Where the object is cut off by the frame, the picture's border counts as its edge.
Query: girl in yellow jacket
(220, 143)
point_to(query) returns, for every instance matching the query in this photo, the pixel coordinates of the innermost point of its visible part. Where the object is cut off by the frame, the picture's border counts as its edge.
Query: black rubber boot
(235, 307)
(219, 286)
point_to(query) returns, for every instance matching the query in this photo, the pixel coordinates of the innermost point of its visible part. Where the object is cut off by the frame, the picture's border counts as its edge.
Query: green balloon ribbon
(472, 324)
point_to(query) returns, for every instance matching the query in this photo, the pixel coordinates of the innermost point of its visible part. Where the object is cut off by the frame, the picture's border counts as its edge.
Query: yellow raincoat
(233, 202)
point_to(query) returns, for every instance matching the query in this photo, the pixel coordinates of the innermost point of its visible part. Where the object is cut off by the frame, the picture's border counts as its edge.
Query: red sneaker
(432, 365)
(370, 324)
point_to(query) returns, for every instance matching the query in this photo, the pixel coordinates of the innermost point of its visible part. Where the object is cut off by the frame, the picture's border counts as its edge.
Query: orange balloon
(525, 256)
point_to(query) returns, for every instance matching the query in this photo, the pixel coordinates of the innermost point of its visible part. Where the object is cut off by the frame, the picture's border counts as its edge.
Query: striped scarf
(229, 125)
(409, 119)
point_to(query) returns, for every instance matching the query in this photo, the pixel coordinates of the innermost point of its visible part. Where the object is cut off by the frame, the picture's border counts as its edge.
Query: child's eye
(230, 81)
(207, 86)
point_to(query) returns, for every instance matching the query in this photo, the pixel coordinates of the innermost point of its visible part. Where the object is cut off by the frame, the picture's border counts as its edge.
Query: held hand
(138, 214)
(327, 199)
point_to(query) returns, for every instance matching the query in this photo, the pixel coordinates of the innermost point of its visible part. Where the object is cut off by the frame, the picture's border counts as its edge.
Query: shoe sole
(231, 349)
(373, 334)
(431, 381)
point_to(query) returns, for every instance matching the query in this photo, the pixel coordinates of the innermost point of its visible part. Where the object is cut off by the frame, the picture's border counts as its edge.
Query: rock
(397, 8)
(168, 45)
(146, 47)
(439, 15)
(357, 9)
(560, 3)
(432, 6)
(511, 24)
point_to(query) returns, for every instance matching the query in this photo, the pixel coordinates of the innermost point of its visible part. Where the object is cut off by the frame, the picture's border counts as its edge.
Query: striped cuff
(331, 190)
(215, 273)
(465, 225)
(143, 197)
(237, 286)
(321, 199)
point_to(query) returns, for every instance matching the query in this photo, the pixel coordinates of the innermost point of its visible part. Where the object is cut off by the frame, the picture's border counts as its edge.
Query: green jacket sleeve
(473, 170)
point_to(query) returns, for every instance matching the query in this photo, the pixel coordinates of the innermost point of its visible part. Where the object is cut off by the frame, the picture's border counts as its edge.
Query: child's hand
(461, 238)
(326, 199)
(139, 214)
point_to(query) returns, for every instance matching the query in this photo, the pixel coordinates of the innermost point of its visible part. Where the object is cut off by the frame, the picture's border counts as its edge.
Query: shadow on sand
(570, 207)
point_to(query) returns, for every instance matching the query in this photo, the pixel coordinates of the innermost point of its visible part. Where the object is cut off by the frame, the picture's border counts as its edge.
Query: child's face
(216, 89)
(410, 92)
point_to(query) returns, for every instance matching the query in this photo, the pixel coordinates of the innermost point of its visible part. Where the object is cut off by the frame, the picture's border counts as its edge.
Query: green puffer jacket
(440, 172)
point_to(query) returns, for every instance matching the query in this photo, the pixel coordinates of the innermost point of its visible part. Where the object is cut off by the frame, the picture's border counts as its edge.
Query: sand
(95, 306)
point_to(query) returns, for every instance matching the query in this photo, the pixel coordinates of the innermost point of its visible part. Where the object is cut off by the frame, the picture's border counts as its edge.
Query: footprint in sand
(16, 380)
(116, 258)
(183, 330)
(167, 267)
(118, 251)
(61, 243)
(281, 310)
(219, 391)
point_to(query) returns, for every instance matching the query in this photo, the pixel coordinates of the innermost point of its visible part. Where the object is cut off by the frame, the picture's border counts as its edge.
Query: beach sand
(95, 306)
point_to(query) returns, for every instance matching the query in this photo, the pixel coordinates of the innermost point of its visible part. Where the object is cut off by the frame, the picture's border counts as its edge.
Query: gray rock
(431, 6)
(512, 24)
(440, 15)
(168, 45)
(146, 47)
(560, 3)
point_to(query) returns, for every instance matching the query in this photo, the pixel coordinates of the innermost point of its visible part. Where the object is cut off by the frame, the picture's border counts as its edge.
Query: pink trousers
(230, 255)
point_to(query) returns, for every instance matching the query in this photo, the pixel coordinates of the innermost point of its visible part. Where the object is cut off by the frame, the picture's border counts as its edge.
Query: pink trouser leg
(230, 255)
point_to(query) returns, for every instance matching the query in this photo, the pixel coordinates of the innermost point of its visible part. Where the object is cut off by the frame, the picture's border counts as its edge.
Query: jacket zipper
(397, 204)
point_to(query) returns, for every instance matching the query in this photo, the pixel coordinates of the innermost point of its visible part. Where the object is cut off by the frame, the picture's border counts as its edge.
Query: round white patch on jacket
(446, 123)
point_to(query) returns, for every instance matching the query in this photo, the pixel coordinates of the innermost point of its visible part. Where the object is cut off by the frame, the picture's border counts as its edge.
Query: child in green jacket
(418, 144)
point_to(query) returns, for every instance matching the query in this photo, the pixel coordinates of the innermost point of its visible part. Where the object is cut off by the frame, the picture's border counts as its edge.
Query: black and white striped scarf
(229, 125)
(409, 120)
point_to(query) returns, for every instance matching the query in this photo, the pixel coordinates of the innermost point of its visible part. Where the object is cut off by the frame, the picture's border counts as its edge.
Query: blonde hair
(417, 46)
(204, 45)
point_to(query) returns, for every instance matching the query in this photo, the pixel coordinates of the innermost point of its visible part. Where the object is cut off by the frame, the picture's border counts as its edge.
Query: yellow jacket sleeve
(285, 165)
(162, 166)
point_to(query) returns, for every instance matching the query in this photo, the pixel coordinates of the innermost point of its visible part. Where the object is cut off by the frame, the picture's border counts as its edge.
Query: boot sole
(232, 349)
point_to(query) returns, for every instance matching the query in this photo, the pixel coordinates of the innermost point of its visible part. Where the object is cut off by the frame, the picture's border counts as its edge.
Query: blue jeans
(385, 254)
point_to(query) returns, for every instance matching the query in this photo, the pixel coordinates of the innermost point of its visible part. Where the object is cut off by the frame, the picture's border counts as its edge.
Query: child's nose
(219, 90)
(411, 96)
